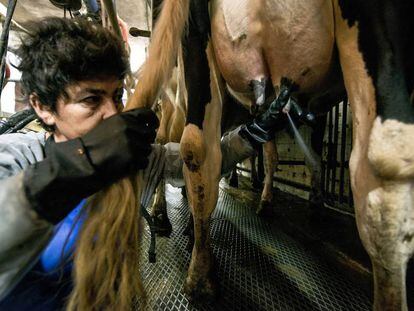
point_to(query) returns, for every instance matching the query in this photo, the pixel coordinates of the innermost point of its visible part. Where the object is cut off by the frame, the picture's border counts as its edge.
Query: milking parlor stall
(319, 215)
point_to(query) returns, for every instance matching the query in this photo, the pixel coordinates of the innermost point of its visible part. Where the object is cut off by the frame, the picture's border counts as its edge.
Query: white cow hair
(391, 149)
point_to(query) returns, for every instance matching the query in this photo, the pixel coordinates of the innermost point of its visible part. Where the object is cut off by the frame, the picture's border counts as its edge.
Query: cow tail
(162, 53)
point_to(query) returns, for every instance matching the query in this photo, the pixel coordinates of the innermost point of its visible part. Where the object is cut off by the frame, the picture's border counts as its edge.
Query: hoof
(265, 208)
(162, 225)
(200, 290)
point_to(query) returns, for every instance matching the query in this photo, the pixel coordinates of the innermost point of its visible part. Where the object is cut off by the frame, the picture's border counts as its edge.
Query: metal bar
(292, 183)
(350, 195)
(282, 180)
(110, 11)
(289, 162)
(329, 155)
(323, 172)
(340, 210)
(4, 39)
(335, 150)
(343, 150)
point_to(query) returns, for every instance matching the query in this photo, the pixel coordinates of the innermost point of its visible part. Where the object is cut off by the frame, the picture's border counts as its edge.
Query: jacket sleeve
(23, 234)
(234, 149)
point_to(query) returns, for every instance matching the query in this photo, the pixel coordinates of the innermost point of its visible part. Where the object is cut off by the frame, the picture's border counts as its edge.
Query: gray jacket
(23, 234)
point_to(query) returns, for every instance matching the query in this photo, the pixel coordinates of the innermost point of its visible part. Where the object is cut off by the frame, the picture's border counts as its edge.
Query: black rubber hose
(4, 39)
(16, 121)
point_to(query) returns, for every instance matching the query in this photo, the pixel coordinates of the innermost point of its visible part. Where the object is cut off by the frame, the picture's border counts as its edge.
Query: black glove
(263, 127)
(77, 168)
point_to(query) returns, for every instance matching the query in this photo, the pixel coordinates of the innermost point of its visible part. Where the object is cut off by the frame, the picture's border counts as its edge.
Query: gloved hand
(121, 143)
(263, 127)
(77, 168)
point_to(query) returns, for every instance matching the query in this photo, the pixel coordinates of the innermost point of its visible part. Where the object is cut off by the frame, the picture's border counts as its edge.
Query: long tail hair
(106, 274)
(162, 52)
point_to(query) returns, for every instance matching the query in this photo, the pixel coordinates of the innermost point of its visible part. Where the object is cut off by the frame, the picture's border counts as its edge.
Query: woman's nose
(109, 109)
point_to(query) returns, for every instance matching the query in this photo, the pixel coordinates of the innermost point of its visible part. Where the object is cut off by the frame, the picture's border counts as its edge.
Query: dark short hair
(59, 51)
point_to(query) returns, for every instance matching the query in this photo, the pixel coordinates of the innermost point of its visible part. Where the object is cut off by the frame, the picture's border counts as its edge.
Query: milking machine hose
(4, 39)
(17, 121)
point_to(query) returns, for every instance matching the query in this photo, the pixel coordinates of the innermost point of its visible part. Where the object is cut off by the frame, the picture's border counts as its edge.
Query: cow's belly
(283, 38)
(237, 49)
(298, 40)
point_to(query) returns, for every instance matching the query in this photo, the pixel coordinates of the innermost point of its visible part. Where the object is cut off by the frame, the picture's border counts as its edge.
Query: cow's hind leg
(270, 161)
(202, 176)
(382, 159)
(234, 179)
(254, 177)
(316, 194)
(159, 213)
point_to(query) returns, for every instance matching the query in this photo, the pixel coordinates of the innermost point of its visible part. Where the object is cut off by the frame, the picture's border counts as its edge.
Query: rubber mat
(258, 266)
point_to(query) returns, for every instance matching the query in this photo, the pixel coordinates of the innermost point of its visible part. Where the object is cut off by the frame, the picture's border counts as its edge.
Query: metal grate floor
(259, 267)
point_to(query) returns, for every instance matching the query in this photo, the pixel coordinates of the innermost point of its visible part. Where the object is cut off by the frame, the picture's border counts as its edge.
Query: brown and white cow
(296, 39)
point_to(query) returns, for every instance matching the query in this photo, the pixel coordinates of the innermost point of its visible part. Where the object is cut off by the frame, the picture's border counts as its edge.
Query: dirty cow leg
(256, 183)
(202, 176)
(233, 179)
(200, 149)
(316, 194)
(159, 213)
(270, 160)
(382, 159)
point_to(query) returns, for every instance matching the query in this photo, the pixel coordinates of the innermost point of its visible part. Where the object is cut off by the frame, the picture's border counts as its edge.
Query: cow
(297, 40)
(171, 110)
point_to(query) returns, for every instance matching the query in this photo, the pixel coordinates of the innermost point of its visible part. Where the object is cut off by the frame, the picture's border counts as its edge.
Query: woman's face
(87, 104)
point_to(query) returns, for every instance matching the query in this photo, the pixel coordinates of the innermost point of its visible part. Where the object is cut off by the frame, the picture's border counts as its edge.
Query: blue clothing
(38, 291)
(49, 283)
(60, 248)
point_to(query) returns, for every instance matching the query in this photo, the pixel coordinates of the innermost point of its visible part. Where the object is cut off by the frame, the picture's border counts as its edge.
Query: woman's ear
(43, 112)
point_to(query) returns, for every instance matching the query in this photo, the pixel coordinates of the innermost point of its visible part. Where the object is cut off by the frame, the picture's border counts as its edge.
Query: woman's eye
(92, 100)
